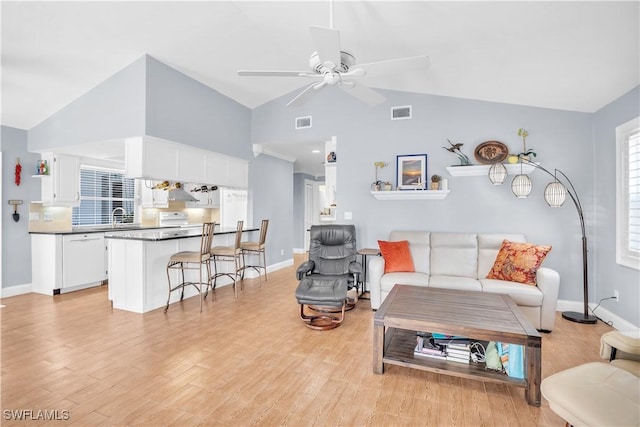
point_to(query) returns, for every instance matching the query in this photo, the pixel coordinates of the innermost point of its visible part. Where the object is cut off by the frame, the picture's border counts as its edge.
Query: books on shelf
(443, 347)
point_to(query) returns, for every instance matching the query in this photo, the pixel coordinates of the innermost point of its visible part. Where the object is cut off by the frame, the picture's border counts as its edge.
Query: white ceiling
(566, 55)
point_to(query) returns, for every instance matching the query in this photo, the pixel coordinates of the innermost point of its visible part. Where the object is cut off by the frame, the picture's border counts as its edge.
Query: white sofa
(462, 261)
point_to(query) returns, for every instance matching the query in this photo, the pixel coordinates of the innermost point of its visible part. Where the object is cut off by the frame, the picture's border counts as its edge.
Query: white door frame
(311, 208)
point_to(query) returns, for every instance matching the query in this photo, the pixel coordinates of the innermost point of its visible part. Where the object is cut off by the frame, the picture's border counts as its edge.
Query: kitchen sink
(126, 226)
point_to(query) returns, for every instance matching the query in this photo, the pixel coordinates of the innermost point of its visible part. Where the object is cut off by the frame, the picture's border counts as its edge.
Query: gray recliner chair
(327, 275)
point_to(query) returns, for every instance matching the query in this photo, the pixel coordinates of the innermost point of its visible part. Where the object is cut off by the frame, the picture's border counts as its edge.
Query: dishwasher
(83, 259)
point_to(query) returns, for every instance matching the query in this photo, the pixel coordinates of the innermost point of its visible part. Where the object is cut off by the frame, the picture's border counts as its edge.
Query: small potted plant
(377, 184)
(525, 153)
(435, 182)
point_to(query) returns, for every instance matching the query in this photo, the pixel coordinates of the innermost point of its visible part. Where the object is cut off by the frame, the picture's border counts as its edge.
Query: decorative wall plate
(491, 152)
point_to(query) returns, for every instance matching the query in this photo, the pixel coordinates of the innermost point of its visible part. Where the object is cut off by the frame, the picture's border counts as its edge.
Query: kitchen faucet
(113, 216)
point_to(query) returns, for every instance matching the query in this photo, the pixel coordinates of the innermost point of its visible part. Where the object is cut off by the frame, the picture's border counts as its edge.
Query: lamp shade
(555, 194)
(521, 186)
(497, 173)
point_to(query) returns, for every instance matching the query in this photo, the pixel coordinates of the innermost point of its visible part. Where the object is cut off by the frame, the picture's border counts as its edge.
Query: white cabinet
(206, 199)
(61, 263)
(150, 198)
(62, 186)
(83, 259)
(238, 173)
(217, 169)
(191, 165)
(151, 158)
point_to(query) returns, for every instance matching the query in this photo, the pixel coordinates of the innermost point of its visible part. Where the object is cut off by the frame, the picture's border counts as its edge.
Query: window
(628, 194)
(102, 191)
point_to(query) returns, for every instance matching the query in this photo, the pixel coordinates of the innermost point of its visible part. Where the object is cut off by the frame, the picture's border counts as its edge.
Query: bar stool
(228, 254)
(256, 248)
(192, 260)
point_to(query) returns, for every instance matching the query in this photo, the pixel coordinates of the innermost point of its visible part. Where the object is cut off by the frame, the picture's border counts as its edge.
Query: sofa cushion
(419, 245)
(397, 256)
(454, 254)
(454, 282)
(522, 295)
(488, 247)
(518, 262)
(388, 280)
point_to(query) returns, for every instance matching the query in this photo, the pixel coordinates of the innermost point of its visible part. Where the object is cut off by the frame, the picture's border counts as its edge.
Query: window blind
(633, 184)
(102, 191)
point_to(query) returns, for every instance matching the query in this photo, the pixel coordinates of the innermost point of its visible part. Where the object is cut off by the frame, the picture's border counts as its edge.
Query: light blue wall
(113, 109)
(610, 276)
(562, 140)
(183, 110)
(271, 190)
(16, 247)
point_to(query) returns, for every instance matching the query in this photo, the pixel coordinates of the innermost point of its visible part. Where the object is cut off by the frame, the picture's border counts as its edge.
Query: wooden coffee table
(477, 315)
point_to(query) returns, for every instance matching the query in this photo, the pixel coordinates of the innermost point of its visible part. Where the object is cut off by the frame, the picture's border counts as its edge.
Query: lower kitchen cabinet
(62, 263)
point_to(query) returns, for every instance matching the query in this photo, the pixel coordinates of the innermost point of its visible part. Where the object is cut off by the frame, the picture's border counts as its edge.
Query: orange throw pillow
(397, 256)
(518, 262)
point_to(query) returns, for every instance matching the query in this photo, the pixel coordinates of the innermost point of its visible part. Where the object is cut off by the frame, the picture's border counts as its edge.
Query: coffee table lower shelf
(399, 351)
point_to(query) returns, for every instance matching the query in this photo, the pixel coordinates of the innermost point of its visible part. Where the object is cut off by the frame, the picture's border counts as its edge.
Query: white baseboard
(250, 273)
(616, 321)
(12, 291)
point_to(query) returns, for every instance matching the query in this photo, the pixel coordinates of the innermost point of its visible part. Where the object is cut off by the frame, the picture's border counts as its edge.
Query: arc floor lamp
(555, 195)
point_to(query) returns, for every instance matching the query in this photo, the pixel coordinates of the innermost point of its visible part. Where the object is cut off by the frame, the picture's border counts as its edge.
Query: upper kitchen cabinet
(216, 169)
(61, 187)
(238, 173)
(151, 158)
(191, 165)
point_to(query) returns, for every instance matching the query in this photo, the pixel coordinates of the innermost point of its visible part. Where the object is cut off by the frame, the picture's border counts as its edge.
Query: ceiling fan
(331, 66)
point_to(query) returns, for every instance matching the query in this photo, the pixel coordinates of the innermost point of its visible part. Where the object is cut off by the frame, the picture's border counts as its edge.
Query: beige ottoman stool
(594, 394)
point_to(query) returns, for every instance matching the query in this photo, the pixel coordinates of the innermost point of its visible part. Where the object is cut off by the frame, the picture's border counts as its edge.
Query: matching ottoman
(594, 394)
(322, 292)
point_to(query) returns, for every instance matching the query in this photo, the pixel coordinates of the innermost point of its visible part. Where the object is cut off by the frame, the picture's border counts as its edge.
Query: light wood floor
(240, 362)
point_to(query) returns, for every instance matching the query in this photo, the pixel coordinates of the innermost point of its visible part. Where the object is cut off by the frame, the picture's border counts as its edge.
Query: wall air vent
(303, 122)
(398, 113)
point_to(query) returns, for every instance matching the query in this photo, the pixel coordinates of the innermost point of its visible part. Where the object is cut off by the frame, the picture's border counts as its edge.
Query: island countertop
(151, 235)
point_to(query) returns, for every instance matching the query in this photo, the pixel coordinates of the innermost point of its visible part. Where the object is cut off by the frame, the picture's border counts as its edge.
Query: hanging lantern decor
(497, 173)
(521, 186)
(555, 194)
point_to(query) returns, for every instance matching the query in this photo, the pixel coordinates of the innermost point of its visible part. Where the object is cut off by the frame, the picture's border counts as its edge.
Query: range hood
(179, 195)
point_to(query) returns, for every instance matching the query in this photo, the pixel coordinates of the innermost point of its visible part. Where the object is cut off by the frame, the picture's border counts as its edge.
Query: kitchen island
(137, 261)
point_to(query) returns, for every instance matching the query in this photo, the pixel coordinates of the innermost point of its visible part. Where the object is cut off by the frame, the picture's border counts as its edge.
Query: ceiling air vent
(303, 122)
(398, 113)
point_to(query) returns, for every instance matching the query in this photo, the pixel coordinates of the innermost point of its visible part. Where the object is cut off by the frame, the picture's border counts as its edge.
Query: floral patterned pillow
(518, 262)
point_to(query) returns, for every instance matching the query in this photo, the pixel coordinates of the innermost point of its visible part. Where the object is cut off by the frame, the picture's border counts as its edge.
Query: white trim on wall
(616, 321)
(624, 256)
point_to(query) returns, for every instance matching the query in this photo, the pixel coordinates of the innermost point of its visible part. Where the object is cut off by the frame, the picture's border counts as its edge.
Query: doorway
(312, 205)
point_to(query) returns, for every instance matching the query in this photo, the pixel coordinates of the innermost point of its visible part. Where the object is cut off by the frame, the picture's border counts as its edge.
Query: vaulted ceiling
(565, 55)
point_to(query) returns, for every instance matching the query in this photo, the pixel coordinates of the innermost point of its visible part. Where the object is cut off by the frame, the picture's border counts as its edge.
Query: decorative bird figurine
(455, 149)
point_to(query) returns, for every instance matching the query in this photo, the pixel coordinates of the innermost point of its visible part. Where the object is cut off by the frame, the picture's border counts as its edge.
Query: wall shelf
(411, 194)
(483, 170)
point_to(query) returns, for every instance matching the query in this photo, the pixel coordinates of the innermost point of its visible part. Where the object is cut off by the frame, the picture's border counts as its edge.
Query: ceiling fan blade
(307, 93)
(395, 65)
(273, 73)
(327, 42)
(363, 93)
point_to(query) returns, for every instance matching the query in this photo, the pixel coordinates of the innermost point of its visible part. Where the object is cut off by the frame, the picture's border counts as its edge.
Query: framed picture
(411, 171)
